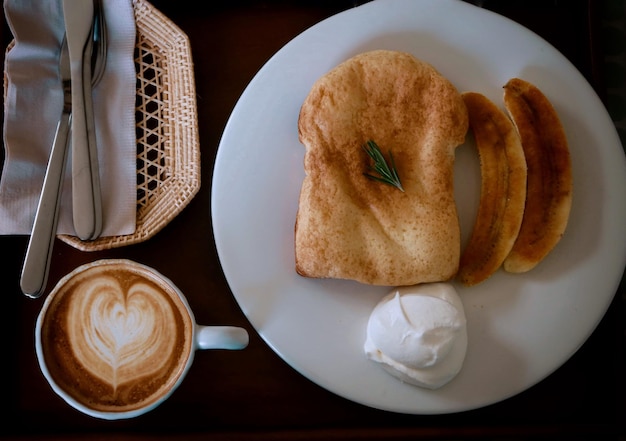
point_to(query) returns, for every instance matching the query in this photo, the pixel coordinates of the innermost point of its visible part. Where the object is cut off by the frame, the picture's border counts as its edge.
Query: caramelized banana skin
(549, 186)
(503, 190)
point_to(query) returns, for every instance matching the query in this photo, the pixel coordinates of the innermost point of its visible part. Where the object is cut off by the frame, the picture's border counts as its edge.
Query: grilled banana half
(502, 194)
(549, 180)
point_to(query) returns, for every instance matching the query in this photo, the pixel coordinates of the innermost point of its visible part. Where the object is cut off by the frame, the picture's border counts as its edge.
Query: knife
(79, 15)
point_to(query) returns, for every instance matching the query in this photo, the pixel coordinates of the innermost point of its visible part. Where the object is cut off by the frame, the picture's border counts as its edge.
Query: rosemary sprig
(388, 174)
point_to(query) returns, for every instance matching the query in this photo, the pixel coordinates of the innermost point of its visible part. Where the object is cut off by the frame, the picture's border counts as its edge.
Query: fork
(90, 227)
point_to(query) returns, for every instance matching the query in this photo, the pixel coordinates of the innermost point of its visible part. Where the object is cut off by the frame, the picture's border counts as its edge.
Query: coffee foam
(116, 337)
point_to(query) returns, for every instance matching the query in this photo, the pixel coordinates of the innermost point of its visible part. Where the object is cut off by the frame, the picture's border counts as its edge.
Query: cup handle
(221, 337)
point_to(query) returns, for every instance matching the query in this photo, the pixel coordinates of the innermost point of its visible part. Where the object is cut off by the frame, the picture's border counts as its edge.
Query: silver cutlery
(79, 19)
(99, 38)
(39, 252)
(98, 62)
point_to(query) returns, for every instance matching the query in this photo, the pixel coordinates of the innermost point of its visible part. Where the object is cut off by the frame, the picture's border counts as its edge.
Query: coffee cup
(115, 338)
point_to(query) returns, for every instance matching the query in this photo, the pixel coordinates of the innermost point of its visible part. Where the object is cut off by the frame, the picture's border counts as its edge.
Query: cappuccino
(115, 336)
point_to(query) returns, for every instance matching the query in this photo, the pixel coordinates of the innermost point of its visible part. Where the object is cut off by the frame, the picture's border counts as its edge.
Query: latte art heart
(116, 336)
(119, 336)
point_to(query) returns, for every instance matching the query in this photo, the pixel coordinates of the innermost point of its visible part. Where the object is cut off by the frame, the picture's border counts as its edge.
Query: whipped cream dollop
(419, 334)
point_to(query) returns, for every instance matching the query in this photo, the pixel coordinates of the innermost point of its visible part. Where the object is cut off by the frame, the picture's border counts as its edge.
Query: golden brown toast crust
(351, 227)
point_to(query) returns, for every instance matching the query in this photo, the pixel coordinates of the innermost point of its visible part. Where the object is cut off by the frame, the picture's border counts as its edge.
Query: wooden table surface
(253, 394)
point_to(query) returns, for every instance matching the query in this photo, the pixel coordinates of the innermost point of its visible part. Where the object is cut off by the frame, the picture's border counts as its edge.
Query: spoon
(39, 252)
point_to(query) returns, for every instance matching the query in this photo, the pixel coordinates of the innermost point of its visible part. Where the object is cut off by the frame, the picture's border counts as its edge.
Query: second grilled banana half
(549, 186)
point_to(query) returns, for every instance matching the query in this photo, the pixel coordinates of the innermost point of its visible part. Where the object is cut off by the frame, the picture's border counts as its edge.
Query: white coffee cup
(110, 326)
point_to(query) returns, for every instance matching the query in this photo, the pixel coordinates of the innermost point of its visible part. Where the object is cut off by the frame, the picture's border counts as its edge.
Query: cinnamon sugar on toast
(350, 226)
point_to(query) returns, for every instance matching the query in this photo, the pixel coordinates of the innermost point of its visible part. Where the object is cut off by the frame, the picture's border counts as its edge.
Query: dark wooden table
(253, 394)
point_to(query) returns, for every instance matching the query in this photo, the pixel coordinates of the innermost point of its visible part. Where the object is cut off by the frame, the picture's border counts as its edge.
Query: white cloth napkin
(33, 104)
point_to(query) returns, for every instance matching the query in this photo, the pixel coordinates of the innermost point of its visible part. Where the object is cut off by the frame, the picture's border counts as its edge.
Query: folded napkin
(33, 104)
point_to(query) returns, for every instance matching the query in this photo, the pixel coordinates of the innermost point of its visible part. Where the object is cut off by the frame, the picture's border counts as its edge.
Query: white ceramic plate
(521, 327)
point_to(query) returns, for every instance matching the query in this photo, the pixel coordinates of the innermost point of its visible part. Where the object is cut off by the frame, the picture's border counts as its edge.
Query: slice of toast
(350, 226)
